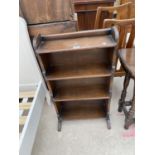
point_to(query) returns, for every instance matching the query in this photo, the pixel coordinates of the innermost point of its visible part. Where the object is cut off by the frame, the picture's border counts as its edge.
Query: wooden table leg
(123, 95)
(130, 116)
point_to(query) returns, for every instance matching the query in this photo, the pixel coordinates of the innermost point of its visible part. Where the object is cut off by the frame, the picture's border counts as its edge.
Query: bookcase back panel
(81, 82)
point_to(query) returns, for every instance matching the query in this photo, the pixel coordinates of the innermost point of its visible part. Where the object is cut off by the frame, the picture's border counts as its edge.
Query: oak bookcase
(78, 68)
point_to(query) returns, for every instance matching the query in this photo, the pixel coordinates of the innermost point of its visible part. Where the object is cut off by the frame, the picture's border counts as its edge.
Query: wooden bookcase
(78, 68)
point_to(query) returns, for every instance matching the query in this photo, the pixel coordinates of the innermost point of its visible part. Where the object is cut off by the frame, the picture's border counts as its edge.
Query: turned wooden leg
(123, 95)
(130, 116)
(59, 123)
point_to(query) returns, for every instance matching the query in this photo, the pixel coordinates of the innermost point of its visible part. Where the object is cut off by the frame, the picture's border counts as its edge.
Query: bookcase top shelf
(76, 41)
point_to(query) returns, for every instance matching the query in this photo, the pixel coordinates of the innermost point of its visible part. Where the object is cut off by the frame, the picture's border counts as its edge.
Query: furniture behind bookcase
(79, 68)
(133, 6)
(46, 11)
(48, 16)
(86, 11)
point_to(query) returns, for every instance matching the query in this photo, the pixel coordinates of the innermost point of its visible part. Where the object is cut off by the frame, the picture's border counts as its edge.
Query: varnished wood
(130, 118)
(133, 6)
(52, 28)
(71, 90)
(83, 109)
(119, 12)
(76, 41)
(124, 92)
(75, 93)
(86, 12)
(45, 11)
(78, 67)
(84, 71)
(127, 58)
(126, 28)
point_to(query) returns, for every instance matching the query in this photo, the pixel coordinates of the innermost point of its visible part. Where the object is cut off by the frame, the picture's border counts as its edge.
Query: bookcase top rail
(84, 40)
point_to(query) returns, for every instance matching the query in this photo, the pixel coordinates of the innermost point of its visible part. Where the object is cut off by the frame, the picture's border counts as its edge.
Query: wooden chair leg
(123, 95)
(130, 116)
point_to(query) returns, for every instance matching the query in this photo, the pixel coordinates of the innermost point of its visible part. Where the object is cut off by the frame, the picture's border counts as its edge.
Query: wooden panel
(44, 11)
(83, 109)
(119, 12)
(74, 72)
(74, 93)
(70, 90)
(86, 12)
(86, 63)
(124, 26)
(80, 58)
(133, 6)
(52, 28)
(72, 44)
(127, 57)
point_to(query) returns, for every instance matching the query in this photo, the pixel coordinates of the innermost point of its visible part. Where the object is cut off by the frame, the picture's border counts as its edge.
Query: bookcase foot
(108, 122)
(59, 123)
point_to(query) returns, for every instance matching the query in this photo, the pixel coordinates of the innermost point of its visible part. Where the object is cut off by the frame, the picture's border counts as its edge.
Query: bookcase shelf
(83, 109)
(72, 72)
(81, 93)
(78, 69)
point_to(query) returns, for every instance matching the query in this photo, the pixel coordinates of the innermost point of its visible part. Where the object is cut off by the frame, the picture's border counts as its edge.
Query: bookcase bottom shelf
(83, 109)
(79, 110)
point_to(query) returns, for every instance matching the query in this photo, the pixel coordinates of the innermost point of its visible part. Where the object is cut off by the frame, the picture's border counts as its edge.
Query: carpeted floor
(86, 137)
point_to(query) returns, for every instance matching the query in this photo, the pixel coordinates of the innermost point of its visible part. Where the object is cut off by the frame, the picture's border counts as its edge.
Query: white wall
(29, 72)
(28, 68)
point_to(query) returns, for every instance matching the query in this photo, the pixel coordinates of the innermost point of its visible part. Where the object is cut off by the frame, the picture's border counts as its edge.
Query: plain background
(145, 77)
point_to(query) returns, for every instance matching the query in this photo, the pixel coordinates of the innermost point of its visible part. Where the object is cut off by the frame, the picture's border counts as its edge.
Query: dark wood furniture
(48, 16)
(118, 12)
(78, 69)
(86, 11)
(52, 28)
(46, 11)
(127, 58)
(126, 29)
